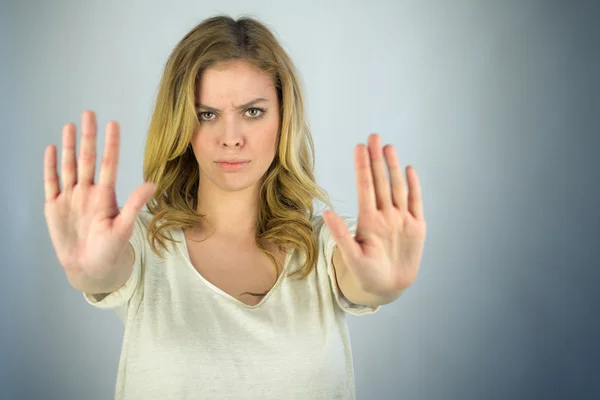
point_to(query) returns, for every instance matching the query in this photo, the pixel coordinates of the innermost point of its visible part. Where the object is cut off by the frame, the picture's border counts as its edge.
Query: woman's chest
(243, 272)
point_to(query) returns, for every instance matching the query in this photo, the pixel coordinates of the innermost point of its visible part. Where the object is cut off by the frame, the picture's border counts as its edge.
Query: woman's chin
(236, 185)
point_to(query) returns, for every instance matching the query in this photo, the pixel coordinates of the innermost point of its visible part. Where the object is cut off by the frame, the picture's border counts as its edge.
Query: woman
(229, 286)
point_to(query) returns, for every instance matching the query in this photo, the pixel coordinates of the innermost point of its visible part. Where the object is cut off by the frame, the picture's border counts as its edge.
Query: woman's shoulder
(318, 221)
(321, 229)
(145, 217)
(142, 220)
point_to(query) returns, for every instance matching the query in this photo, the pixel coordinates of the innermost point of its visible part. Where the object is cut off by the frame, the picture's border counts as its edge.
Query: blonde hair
(288, 188)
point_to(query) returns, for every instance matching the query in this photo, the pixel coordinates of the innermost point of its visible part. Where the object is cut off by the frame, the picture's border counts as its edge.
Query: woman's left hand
(385, 254)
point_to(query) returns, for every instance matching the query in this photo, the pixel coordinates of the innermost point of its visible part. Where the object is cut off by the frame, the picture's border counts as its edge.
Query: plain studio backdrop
(495, 103)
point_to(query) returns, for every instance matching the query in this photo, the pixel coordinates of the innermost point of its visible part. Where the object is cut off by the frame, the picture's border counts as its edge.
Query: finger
(87, 154)
(364, 180)
(382, 186)
(68, 163)
(415, 198)
(396, 178)
(341, 235)
(110, 159)
(127, 215)
(51, 185)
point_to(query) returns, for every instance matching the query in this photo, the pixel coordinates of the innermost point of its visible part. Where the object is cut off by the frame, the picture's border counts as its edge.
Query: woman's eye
(254, 113)
(260, 110)
(203, 113)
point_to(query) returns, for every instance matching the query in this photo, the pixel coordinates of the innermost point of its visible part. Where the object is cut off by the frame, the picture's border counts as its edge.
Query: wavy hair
(288, 186)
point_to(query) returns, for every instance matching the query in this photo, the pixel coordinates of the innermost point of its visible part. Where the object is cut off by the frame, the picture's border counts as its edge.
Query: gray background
(494, 103)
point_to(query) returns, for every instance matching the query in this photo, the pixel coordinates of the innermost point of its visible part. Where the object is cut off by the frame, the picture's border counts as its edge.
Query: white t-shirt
(185, 338)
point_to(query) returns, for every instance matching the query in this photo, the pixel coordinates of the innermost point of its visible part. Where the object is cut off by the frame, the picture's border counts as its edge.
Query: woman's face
(233, 127)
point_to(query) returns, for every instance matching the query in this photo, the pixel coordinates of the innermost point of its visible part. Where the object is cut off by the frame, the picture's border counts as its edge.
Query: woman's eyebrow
(248, 104)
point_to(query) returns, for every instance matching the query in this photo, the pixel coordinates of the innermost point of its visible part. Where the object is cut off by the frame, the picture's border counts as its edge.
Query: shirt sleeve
(119, 299)
(327, 245)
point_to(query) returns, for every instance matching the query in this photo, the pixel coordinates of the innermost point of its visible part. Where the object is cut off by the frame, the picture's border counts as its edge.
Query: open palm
(88, 231)
(385, 254)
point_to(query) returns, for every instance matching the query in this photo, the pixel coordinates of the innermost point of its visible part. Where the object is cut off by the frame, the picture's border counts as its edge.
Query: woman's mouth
(232, 166)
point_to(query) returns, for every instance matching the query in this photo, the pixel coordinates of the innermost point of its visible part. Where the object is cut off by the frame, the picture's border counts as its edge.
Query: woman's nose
(231, 135)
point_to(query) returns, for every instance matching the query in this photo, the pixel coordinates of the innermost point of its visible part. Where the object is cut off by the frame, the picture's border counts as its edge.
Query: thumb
(342, 236)
(134, 204)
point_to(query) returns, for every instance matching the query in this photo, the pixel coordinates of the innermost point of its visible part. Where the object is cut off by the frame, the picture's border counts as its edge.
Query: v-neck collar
(183, 249)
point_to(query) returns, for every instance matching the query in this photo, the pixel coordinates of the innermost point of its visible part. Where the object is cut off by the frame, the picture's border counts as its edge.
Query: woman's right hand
(89, 233)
